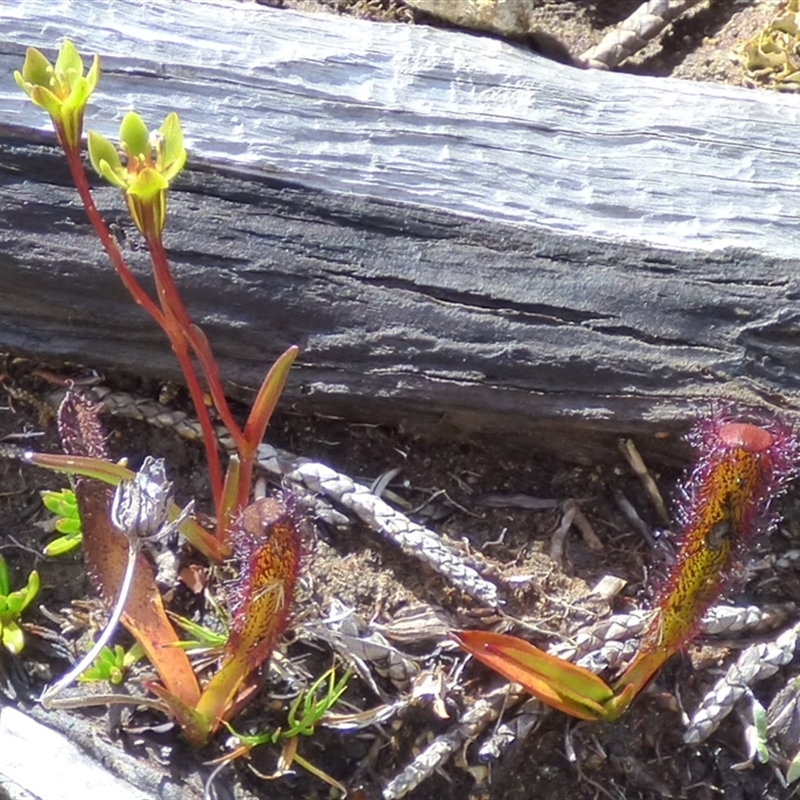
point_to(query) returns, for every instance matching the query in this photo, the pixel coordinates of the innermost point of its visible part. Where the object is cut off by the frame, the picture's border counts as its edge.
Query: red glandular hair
(741, 468)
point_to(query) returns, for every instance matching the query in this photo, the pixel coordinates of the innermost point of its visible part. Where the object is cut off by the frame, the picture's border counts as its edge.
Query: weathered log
(70, 772)
(457, 232)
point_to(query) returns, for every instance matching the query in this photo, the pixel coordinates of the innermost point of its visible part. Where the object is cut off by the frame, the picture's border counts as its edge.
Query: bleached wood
(48, 766)
(453, 228)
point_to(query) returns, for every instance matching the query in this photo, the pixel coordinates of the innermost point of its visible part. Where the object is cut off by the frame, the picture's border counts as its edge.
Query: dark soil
(443, 484)
(640, 756)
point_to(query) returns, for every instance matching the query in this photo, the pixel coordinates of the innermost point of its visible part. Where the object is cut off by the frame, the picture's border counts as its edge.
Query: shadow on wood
(420, 211)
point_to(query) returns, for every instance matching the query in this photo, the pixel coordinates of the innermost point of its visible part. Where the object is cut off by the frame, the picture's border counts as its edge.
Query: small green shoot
(201, 638)
(305, 712)
(64, 505)
(111, 665)
(153, 160)
(760, 732)
(12, 604)
(61, 89)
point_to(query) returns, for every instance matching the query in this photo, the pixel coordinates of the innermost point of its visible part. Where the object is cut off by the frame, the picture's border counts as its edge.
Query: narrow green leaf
(760, 725)
(15, 602)
(59, 502)
(13, 638)
(5, 581)
(230, 492)
(62, 545)
(267, 398)
(69, 527)
(32, 588)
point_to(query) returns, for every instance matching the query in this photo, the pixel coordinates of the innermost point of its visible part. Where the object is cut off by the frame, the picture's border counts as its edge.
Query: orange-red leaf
(266, 550)
(559, 684)
(106, 553)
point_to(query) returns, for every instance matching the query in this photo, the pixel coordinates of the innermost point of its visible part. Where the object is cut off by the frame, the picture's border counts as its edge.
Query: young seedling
(741, 469)
(202, 639)
(111, 665)
(12, 604)
(305, 714)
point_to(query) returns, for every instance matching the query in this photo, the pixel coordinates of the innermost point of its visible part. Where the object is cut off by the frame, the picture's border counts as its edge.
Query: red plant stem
(106, 239)
(210, 367)
(177, 334)
(171, 298)
(164, 318)
(243, 494)
(174, 320)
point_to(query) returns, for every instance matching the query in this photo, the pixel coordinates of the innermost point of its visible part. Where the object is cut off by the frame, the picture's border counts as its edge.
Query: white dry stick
(632, 455)
(633, 33)
(415, 624)
(471, 724)
(584, 527)
(88, 659)
(414, 539)
(756, 663)
(560, 534)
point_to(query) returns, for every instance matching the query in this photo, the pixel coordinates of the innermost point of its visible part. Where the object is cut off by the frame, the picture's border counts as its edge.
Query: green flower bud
(63, 91)
(152, 160)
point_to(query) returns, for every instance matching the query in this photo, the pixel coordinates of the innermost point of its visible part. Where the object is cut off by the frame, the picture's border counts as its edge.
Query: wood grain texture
(456, 231)
(24, 740)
